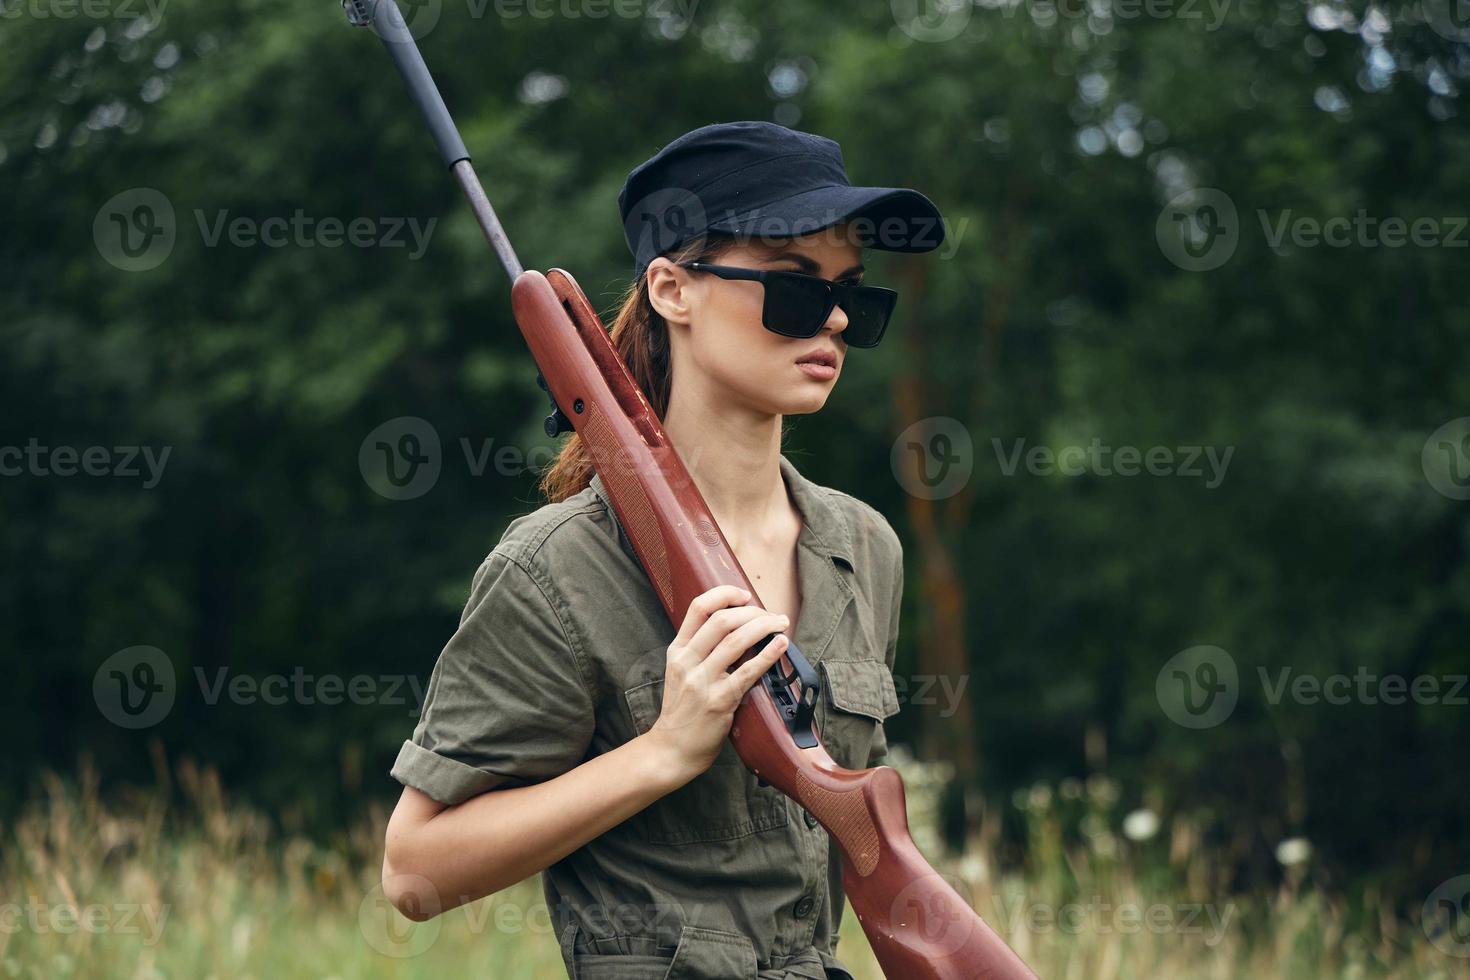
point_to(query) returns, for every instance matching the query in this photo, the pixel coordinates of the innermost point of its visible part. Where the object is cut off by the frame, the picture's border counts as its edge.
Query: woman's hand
(700, 698)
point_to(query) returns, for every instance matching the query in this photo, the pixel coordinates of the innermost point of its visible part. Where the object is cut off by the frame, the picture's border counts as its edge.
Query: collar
(824, 528)
(820, 515)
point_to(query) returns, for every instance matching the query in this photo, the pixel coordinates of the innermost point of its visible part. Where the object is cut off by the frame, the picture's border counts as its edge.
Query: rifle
(917, 924)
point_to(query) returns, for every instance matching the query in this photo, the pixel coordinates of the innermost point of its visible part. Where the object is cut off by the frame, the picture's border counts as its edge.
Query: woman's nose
(836, 320)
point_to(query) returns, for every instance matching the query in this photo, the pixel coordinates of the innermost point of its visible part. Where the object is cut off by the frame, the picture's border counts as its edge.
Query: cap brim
(893, 219)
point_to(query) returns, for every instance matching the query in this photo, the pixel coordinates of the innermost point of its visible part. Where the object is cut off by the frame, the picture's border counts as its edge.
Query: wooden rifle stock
(919, 927)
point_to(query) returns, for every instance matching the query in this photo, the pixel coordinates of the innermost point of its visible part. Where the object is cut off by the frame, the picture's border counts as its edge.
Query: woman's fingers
(698, 700)
(718, 626)
(742, 638)
(744, 677)
(705, 605)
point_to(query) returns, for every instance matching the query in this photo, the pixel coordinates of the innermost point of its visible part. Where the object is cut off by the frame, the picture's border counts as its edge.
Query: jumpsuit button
(811, 821)
(803, 908)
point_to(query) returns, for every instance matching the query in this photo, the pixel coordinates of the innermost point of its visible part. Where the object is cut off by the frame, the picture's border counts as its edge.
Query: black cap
(761, 179)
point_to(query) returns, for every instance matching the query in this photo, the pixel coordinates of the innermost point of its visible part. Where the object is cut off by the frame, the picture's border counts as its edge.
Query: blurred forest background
(1115, 177)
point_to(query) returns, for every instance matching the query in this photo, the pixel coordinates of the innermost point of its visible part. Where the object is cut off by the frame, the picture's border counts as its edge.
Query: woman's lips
(816, 370)
(819, 365)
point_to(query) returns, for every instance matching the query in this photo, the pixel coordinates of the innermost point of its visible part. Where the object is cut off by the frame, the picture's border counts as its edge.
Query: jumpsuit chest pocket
(858, 696)
(725, 802)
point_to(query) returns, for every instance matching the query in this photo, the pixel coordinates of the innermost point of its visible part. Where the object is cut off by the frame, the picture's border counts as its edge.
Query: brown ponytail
(641, 336)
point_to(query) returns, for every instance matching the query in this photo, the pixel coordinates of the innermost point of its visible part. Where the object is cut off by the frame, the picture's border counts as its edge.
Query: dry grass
(134, 890)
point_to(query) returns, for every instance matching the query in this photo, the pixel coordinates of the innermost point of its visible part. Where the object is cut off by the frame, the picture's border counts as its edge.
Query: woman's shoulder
(577, 527)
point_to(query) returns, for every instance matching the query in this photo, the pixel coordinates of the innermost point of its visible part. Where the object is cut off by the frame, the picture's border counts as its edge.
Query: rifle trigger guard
(797, 708)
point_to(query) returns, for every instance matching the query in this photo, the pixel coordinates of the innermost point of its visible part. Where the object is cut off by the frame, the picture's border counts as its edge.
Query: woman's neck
(734, 456)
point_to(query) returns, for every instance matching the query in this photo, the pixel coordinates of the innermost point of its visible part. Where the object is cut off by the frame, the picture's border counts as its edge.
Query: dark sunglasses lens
(795, 305)
(868, 309)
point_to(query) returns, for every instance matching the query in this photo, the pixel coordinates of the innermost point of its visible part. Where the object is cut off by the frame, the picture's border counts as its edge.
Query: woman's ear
(668, 291)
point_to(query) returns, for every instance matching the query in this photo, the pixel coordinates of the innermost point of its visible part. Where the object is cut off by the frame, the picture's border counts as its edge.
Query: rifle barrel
(387, 22)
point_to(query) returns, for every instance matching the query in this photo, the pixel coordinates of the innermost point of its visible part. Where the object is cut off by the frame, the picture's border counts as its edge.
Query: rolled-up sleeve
(508, 702)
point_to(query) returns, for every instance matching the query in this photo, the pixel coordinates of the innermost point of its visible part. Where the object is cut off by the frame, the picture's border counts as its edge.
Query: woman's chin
(804, 402)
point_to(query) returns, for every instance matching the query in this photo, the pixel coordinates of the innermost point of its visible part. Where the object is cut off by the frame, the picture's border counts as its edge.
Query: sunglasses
(797, 305)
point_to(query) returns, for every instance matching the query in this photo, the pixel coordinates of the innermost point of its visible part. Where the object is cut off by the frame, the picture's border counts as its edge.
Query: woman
(568, 728)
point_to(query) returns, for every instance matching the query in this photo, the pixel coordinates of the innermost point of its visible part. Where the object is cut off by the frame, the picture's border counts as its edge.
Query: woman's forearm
(437, 858)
